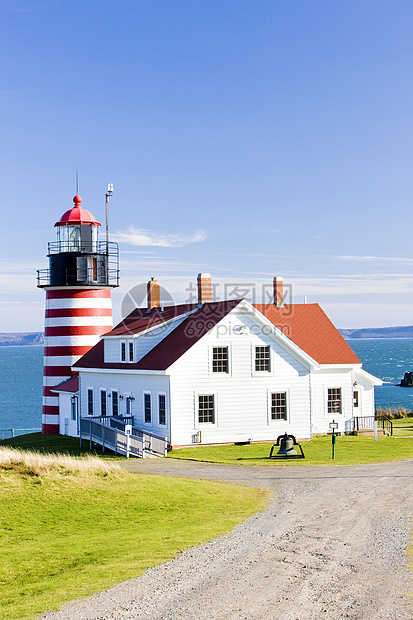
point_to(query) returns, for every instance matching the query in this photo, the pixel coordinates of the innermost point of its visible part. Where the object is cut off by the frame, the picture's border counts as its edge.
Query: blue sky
(244, 138)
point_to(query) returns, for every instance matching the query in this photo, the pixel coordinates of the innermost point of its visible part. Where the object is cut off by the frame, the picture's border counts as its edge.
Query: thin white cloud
(370, 258)
(144, 237)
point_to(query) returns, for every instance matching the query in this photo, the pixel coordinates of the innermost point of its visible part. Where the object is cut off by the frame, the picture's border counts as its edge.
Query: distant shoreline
(20, 339)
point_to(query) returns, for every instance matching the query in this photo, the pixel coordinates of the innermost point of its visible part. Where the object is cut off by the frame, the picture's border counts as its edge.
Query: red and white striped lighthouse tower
(82, 271)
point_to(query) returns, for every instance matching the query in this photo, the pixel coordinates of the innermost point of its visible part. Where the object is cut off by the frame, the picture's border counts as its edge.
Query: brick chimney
(278, 292)
(204, 288)
(153, 294)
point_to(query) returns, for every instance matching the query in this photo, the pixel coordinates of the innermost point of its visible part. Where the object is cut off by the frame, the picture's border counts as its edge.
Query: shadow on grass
(61, 444)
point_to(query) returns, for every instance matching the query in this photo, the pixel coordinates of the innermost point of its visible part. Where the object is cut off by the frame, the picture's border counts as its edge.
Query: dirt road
(331, 545)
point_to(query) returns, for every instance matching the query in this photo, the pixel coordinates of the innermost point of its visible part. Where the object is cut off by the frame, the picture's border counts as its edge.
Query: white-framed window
(130, 348)
(90, 401)
(162, 408)
(262, 361)
(73, 407)
(147, 407)
(123, 351)
(278, 403)
(103, 402)
(220, 360)
(206, 413)
(334, 401)
(356, 398)
(115, 402)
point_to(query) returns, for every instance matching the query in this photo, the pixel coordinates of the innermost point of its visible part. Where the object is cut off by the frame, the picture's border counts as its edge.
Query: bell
(286, 446)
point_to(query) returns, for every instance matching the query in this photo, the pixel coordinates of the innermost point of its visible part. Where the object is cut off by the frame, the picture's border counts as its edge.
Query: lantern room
(78, 258)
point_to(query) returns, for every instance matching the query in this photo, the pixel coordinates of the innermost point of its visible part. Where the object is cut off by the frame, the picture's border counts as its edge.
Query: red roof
(173, 346)
(305, 324)
(68, 385)
(310, 328)
(77, 215)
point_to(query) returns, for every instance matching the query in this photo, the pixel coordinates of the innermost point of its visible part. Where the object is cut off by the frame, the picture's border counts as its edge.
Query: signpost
(333, 425)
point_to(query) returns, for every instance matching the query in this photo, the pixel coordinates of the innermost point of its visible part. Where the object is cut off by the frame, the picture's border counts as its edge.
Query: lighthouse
(82, 271)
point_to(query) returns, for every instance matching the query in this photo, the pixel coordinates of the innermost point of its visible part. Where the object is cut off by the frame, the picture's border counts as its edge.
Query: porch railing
(360, 423)
(110, 433)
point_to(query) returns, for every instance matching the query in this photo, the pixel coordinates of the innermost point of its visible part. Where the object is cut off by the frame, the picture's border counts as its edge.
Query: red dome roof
(77, 215)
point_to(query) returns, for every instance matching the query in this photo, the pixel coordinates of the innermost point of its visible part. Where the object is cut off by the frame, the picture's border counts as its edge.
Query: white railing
(139, 443)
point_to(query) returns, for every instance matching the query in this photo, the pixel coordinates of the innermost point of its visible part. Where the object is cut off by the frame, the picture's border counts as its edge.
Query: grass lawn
(67, 534)
(349, 450)
(403, 427)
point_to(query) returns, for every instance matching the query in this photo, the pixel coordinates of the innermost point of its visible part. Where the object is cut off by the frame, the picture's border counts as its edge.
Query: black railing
(362, 423)
(71, 276)
(83, 247)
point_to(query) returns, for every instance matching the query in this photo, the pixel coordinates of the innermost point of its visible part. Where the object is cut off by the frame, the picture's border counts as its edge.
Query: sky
(244, 138)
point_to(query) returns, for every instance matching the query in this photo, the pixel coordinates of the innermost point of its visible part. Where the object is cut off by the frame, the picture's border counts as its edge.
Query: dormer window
(123, 351)
(131, 351)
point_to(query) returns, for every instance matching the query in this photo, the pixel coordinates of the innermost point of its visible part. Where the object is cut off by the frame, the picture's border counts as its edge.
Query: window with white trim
(220, 359)
(206, 409)
(115, 402)
(103, 401)
(162, 408)
(334, 400)
(131, 351)
(123, 351)
(278, 406)
(90, 401)
(73, 407)
(147, 408)
(262, 359)
(356, 398)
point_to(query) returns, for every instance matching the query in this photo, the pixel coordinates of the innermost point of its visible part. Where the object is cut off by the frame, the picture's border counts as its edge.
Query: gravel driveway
(332, 545)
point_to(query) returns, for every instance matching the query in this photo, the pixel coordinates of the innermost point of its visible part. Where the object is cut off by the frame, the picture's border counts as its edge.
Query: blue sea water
(21, 378)
(21, 387)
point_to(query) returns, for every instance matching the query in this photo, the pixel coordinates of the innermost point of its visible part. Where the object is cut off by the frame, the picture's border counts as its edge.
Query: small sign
(333, 425)
(128, 429)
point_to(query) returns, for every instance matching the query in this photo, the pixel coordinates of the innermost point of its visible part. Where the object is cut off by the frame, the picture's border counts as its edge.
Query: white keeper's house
(220, 371)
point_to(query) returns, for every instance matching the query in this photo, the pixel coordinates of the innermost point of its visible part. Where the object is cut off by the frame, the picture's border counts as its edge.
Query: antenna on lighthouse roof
(108, 195)
(77, 182)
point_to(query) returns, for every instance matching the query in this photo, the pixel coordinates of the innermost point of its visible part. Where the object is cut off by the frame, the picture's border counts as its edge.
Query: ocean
(21, 378)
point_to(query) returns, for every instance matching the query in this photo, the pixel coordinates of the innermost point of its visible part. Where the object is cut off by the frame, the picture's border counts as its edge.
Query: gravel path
(331, 545)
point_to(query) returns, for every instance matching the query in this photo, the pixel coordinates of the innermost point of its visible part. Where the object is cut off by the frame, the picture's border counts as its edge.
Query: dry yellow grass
(38, 464)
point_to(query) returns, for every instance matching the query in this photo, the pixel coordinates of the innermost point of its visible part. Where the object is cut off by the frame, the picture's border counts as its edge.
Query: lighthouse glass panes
(206, 409)
(262, 359)
(334, 400)
(74, 238)
(220, 359)
(278, 406)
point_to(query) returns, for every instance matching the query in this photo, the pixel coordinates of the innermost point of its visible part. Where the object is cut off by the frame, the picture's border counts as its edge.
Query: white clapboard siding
(242, 398)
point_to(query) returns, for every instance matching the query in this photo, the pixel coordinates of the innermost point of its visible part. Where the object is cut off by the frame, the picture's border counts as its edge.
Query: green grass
(403, 427)
(349, 450)
(66, 534)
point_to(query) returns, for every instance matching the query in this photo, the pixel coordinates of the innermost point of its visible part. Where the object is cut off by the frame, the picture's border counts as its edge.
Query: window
(206, 409)
(279, 406)
(220, 359)
(103, 402)
(356, 398)
(123, 351)
(131, 351)
(334, 400)
(90, 402)
(262, 359)
(147, 408)
(73, 406)
(115, 403)
(162, 408)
